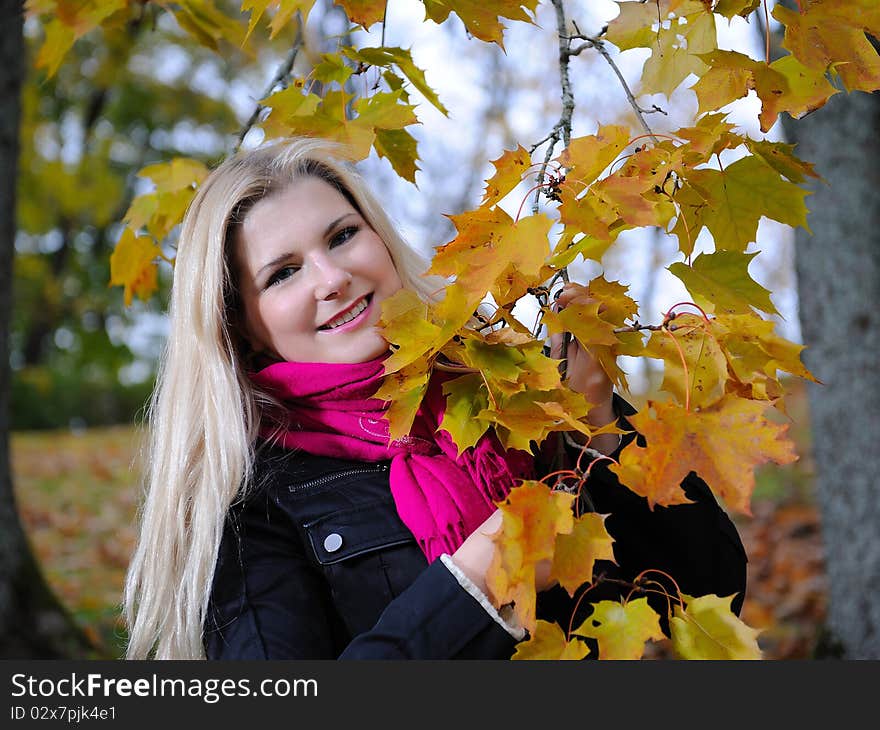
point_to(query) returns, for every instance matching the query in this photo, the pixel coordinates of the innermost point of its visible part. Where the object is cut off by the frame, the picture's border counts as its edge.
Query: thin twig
(599, 45)
(283, 72)
(562, 128)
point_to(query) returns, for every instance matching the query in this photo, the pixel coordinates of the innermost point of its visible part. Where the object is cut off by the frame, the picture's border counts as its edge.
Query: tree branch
(562, 129)
(283, 72)
(599, 45)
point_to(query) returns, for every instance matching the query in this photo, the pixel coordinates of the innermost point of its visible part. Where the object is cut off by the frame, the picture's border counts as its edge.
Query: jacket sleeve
(695, 544)
(270, 602)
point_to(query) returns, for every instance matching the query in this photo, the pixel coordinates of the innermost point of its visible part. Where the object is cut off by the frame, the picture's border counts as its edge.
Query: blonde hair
(204, 413)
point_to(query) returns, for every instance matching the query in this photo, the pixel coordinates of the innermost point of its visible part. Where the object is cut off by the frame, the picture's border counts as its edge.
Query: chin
(366, 352)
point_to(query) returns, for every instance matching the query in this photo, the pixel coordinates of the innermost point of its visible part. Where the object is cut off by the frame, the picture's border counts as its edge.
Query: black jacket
(316, 564)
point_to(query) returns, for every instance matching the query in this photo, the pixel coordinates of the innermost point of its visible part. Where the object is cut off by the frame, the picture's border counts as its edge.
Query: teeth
(348, 316)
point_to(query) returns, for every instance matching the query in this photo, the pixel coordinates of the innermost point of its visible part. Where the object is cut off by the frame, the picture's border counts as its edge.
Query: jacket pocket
(355, 531)
(368, 557)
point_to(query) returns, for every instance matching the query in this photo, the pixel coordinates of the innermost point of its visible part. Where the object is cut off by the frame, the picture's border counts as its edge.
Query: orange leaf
(723, 444)
(482, 18)
(364, 12)
(492, 253)
(577, 551)
(833, 35)
(532, 516)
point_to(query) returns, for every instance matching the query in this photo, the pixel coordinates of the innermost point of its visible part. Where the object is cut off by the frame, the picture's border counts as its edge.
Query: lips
(347, 315)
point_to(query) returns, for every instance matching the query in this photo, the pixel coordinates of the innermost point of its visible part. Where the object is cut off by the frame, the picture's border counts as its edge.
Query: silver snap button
(333, 542)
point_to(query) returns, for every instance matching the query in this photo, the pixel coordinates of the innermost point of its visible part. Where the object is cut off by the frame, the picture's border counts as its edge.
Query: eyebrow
(288, 254)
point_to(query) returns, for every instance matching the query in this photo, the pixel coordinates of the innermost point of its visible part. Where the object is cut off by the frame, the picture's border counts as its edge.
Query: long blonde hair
(204, 413)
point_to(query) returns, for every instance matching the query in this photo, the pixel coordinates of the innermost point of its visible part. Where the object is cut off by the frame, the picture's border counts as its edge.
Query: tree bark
(838, 275)
(33, 624)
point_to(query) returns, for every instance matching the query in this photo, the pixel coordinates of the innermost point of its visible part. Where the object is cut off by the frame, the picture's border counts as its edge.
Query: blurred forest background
(83, 364)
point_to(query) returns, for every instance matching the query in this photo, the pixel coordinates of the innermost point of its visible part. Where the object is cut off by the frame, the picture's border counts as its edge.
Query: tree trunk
(32, 622)
(838, 272)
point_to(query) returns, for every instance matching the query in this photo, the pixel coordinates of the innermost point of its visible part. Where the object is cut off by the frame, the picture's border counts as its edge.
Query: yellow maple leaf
(805, 90)
(207, 23)
(509, 171)
(132, 265)
(388, 56)
(284, 11)
(622, 629)
(781, 157)
(416, 330)
(160, 210)
(69, 23)
(677, 47)
(399, 147)
(176, 174)
(786, 85)
(482, 18)
(577, 552)
(529, 416)
(829, 35)
(532, 516)
(404, 389)
(753, 349)
(698, 379)
(723, 444)
(405, 323)
(548, 642)
(494, 254)
(708, 629)
(709, 136)
(586, 157)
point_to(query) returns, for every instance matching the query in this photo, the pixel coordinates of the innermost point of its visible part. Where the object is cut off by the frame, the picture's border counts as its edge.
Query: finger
(556, 346)
(569, 291)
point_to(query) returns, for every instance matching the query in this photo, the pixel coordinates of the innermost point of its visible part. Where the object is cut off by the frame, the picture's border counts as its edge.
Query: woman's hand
(475, 555)
(584, 374)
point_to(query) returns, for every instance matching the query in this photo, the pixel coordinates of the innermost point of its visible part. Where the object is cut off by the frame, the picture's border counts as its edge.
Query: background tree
(838, 274)
(32, 622)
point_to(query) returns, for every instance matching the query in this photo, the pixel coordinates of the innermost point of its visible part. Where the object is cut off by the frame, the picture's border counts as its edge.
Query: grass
(77, 496)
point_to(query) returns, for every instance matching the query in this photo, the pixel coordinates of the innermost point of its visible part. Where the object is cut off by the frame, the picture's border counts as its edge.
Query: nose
(331, 280)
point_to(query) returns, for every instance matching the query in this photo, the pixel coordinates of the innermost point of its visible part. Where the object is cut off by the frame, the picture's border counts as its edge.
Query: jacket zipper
(327, 478)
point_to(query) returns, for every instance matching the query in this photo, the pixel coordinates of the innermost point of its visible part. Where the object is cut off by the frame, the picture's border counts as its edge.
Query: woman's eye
(285, 272)
(343, 236)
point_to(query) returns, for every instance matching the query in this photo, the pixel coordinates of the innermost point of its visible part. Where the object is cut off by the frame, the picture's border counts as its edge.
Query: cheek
(283, 316)
(384, 271)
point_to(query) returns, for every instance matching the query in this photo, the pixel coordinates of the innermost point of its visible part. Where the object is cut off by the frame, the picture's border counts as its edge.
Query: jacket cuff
(506, 622)
(433, 619)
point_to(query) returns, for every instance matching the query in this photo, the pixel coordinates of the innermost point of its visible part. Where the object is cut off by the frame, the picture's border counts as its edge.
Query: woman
(279, 522)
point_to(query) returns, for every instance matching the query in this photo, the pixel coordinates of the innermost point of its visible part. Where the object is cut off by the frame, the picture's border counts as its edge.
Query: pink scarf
(441, 497)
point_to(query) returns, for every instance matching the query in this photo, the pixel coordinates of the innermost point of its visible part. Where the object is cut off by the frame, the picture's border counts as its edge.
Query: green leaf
(720, 281)
(466, 398)
(385, 56)
(740, 195)
(399, 147)
(732, 8)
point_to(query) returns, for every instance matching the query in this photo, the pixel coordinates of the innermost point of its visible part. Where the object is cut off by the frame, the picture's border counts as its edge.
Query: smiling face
(312, 275)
